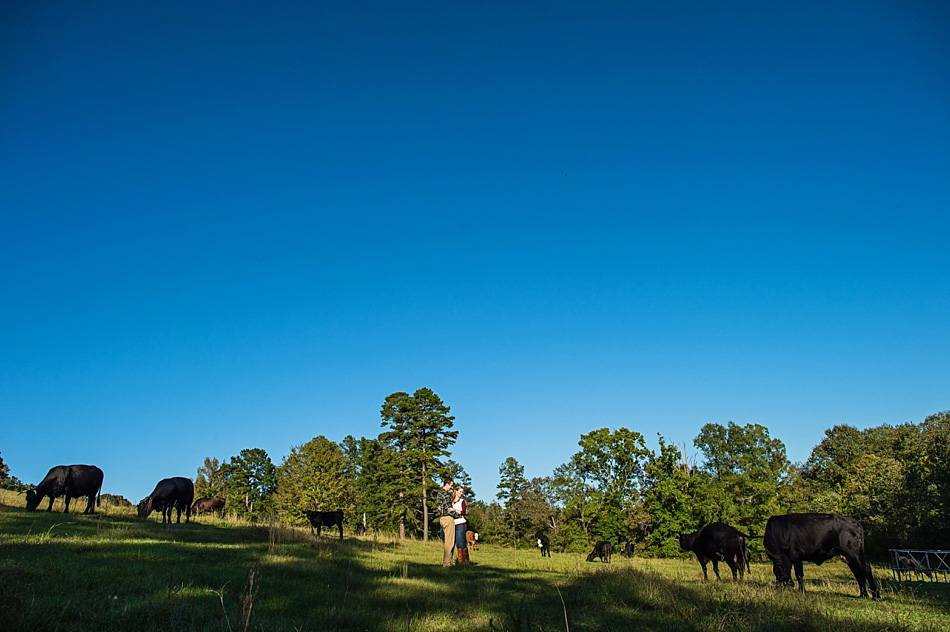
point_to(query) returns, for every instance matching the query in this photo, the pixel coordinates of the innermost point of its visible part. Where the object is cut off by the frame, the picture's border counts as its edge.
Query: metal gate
(920, 564)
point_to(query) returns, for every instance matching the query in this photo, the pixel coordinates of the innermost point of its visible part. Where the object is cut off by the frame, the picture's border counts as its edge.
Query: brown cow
(204, 505)
(471, 538)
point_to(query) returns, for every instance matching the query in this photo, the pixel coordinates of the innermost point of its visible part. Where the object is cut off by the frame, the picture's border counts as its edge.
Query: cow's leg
(702, 562)
(862, 573)
(50, 507)
(732, 567)
(67, 503)
(340, 523)
(800, 575)
(716, 568)
(91, 505)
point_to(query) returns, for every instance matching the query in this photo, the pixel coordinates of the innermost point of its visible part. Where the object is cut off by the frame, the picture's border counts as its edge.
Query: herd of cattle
(789, 540)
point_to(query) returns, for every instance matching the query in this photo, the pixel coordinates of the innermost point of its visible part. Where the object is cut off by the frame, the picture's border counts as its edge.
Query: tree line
(895, 480)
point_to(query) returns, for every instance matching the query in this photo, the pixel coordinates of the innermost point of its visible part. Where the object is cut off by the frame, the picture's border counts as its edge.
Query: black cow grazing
(544, 544)
(717, 542)
(812, 537)
(627, 550)
(170, 494)
(602, 549)
(320, 519)
(205, 505)
(361, 529)
(71, 481)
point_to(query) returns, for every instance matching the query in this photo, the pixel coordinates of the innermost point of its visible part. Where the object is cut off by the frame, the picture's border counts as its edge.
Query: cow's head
(686, 541)
(145, 507)
(32, 500)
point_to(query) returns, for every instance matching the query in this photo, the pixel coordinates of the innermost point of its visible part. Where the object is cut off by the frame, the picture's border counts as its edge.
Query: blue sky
(241, 225)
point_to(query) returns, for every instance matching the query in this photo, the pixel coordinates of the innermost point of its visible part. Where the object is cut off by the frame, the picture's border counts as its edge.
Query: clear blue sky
(230, 225)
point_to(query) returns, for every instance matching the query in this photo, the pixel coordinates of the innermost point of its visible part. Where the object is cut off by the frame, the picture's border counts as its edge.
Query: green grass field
(112, 571)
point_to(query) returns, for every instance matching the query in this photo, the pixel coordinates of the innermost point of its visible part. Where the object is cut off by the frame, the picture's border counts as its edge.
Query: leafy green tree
(10, 482)
(419, 430)
(374, 471)
(933, 479)
(209, 481)
(313, 477)
(488, 520)
(510, 485)
(671, 489)
(746, 468)
(533, 511)
(602, 480)
(249, 481)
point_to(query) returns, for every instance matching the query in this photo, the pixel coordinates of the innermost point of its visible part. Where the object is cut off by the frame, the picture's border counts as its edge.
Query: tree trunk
(402, 518)
(425, 509)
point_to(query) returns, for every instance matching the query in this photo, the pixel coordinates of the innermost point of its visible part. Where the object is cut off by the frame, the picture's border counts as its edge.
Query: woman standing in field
(461, 525)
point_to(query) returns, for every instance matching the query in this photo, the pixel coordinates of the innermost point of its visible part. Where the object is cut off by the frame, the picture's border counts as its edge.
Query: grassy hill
(112, 571)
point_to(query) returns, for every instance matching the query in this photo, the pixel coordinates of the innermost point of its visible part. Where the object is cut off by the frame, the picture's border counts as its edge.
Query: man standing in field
(447, 517)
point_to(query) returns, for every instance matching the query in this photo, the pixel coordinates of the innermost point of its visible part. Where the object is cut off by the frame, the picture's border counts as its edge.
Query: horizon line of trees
(895, 480)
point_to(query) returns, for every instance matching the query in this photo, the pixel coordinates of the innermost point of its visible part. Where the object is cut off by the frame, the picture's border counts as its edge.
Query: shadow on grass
(109, 572)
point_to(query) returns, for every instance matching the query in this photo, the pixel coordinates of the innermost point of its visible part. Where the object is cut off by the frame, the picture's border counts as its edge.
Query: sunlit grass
(113, 571)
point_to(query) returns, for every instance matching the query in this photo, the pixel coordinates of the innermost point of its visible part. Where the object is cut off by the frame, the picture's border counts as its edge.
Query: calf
(544, 544)
(320, 519)
(717, 542)
(910, 563)
(602, 549)
(204, 505)
(71, 481)
(627, 550)
(471, 539)
(791, 539)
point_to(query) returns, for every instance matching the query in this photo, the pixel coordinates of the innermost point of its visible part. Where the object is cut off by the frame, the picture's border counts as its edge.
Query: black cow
(717, 542)
(325, 519)
(71, 481)
(627, 550)
(791, 539)
(544, 544)
(205, 505)
(602, 549)
(170, 494)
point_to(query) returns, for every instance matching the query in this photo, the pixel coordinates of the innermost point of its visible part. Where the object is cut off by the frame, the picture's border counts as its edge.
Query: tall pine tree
(419, 430)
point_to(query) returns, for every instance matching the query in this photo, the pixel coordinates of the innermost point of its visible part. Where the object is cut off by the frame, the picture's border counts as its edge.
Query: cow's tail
(99, 494)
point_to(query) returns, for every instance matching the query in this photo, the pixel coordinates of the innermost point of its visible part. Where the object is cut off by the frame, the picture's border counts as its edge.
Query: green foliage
(209, 481)
(669, 499)
(249, 481)
(461, 477)
(601, 480)
(510, 479)
(10, 482)
(313, 476)
(419, 431)
(746, 469)
(893, 479)
(374, 468)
